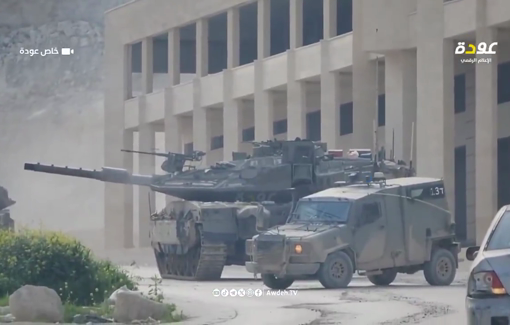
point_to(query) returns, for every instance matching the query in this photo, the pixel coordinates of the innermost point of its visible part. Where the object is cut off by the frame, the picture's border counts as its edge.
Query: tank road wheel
(384, 279)
(441, 269)
(336, 271)
(273, 282)
(204, 262)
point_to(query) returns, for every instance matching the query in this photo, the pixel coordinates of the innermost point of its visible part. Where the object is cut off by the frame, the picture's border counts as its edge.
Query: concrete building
(288, 68)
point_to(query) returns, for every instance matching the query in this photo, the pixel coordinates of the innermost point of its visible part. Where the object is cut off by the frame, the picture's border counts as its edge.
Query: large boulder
(36, 304)
(131, 306)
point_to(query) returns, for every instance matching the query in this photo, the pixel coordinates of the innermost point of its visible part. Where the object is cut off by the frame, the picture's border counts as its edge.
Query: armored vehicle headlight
(298, 249)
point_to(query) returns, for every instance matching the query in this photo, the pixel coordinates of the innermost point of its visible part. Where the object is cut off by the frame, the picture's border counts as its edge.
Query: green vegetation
(57, 261)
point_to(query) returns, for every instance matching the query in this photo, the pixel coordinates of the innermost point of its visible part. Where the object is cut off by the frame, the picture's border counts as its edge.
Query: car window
(500, 237)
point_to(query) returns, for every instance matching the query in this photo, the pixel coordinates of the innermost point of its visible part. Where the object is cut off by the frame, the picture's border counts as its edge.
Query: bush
(59, 262)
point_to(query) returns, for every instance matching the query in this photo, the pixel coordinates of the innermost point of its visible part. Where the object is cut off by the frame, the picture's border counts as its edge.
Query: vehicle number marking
(436, 191)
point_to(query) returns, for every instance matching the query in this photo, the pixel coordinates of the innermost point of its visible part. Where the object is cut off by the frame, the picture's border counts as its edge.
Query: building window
(344, 14)
(313, 126)
(188, 148)
(249, 134)
(280, 127)
(346, 119)
(460, 93)
(217, 142)
(381, 110)
(503, 82)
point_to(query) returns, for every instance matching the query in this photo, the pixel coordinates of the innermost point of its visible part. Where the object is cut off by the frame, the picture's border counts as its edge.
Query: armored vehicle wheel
(204, 262)
(336, 271)
(275, 283)
(441, 269)
(384, 279)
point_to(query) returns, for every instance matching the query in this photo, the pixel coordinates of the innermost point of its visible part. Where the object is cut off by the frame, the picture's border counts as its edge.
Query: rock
(5, 310)
(113, 297)
(7, 319)
(84, 42)
(131, 306)
(35, 303)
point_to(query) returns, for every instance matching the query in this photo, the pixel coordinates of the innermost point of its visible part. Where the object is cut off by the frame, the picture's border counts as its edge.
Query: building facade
(213, 75)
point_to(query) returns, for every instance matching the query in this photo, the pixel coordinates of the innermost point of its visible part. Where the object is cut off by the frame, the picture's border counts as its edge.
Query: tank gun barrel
(195, 156)
(147, 153)
(106, 174)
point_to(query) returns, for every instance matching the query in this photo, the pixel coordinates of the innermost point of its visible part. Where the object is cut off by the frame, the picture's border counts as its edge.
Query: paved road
(408, 301)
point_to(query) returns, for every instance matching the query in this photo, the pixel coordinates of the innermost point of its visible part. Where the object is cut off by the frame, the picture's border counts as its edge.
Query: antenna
(412, 147)
(392, 155)
(376, 156)
(150, 207)
(376, 104)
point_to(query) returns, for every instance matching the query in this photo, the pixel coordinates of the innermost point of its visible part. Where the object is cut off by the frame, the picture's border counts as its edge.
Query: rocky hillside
(51, 109)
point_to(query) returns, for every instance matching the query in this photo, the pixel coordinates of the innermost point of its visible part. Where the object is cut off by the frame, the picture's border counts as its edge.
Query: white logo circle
(241, 293)
(233, 292)
(216, 292)
(224, 293)
(258, 293)
(250, 293)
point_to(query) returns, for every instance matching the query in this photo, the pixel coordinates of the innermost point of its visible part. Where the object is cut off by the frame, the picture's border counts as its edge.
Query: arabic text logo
(482, 48)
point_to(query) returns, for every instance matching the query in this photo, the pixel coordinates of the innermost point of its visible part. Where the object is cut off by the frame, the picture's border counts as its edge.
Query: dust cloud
(51, 111)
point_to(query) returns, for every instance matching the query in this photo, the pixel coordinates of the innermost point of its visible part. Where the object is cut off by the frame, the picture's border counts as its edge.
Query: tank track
(200, 263)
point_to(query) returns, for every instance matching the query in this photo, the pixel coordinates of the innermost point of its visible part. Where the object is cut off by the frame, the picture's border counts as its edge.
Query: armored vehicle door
(370, 231)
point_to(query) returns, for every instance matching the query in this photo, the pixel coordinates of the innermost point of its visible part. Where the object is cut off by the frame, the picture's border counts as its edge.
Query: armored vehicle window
(500, 237)
(370, 212)
(335, 211)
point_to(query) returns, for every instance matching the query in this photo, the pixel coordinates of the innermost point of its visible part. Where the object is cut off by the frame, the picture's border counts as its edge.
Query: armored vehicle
(380, 228)
(214, 220)
(5, 202)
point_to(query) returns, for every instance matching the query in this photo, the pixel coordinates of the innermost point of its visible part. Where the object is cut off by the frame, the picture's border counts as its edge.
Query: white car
(488, 299)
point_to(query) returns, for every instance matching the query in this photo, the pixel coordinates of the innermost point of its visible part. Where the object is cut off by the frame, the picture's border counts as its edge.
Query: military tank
(6, 221)
(228, 202)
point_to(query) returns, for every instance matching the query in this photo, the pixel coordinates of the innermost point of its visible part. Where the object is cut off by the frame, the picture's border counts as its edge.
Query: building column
(263, 106)
(232, 118)
(233, 40)
(296, 100)
(435, 127)
(147, 65)
(173, 129)
(118, 203)
(364, 85)
(296, 24)
(330, 19)
(146, 142)
(128, 158)
(174, 56)
(202, 47)
(146, 166)
(330, 100)
(201, 127)
(400, 84)
(486, 127)
(263, 29)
